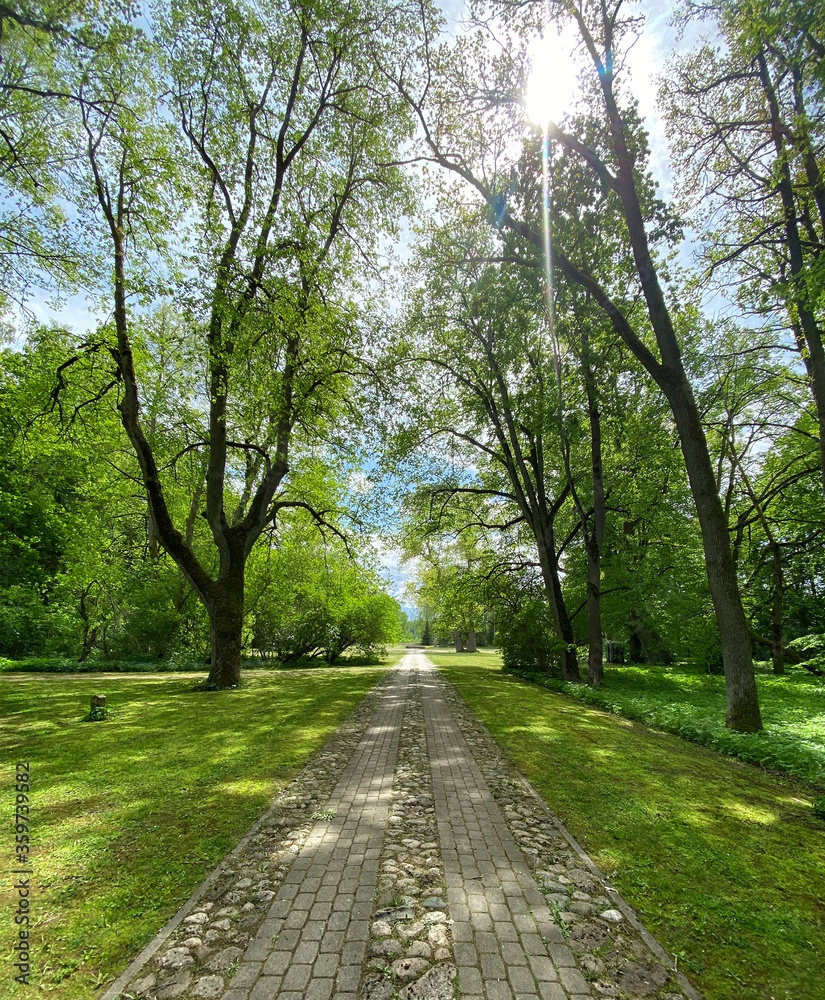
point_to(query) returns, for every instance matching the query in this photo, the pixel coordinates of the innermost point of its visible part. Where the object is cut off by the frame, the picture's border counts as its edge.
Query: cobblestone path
(430, 872)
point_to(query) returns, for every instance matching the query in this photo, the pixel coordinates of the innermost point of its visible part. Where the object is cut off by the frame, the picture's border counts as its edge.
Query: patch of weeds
(233, 968)
(397, 899)
(98, 714)
(559, 919)
(322, 814)
(818, 807)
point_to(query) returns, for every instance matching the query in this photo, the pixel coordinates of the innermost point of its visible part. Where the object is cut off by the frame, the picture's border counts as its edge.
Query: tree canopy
(580, 450)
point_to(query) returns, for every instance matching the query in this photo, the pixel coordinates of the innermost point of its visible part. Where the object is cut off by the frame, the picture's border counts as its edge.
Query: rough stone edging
(626, 908)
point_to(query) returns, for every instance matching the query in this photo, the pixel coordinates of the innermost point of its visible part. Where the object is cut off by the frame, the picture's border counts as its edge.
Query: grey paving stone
(296, 918)
(319, 989)
(505, 931)
(358, 930)
(543, 968)
(332, 941)
(513, 953)
(462, 931)
(469, 979)
(266, 988)
(488, 941)
(314, 930)
(338, 921)
(573, 981)
(481, 921)
(246, 974)
(524, 923)
(521, 979)
(533, 944)
(561, 954)
(326, 965)
(287, 940)
(492, 967)
(348, 977)
(306, 952)
(258, 949)
(552, 991)
(277, 963)
(465, 953)
(499, 991)
(353, 952)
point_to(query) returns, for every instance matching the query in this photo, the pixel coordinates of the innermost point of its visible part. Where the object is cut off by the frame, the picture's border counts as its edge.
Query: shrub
(812, 649)
(528, 641)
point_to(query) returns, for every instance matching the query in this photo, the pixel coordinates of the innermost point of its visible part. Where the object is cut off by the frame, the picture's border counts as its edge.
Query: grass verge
(130, 814)
(688, 702)
(723, 861)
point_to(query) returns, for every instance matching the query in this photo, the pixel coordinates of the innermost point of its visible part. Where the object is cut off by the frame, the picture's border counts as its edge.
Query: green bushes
(528, 641)
(812, 650)
(63, 665)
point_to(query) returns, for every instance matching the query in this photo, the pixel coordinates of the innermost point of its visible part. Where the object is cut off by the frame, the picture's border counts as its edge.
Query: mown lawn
(725, 862)
(689, 702)
(130, 814)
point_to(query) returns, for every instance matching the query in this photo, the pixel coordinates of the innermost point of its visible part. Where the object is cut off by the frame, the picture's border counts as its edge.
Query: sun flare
(553, 77)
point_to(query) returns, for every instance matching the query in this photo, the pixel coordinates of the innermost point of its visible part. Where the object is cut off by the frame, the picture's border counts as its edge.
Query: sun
(552, 84)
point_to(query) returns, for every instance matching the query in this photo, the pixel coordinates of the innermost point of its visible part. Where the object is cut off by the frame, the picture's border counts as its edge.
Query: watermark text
(22, 869)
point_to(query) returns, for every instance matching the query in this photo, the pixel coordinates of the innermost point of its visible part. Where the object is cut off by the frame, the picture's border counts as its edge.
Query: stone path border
(364, 900)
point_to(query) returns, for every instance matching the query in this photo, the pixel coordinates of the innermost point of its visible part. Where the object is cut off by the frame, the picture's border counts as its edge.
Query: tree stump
(98, 701)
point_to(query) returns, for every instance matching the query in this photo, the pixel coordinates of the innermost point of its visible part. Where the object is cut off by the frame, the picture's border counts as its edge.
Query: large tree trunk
(594, 539)
(459, 645)
(471, 641)
(561, 619)
(743, 713)
(226, 632)
(595, 648)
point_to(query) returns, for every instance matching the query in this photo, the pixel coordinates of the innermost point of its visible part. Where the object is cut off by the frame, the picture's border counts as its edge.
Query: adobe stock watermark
(22, 869)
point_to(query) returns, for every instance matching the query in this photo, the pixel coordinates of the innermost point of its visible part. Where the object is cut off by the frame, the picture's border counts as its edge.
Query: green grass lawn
(685, 700)
(724, 861)
(130, 814)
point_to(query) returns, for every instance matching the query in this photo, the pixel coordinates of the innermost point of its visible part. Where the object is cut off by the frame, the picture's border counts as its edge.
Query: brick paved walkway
(506, 942)
(314, 941)
(349, 920)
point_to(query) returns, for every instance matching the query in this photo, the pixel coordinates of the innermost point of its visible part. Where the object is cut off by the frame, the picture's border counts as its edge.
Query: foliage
(812, 650)
(527, 639)
(311, 598)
